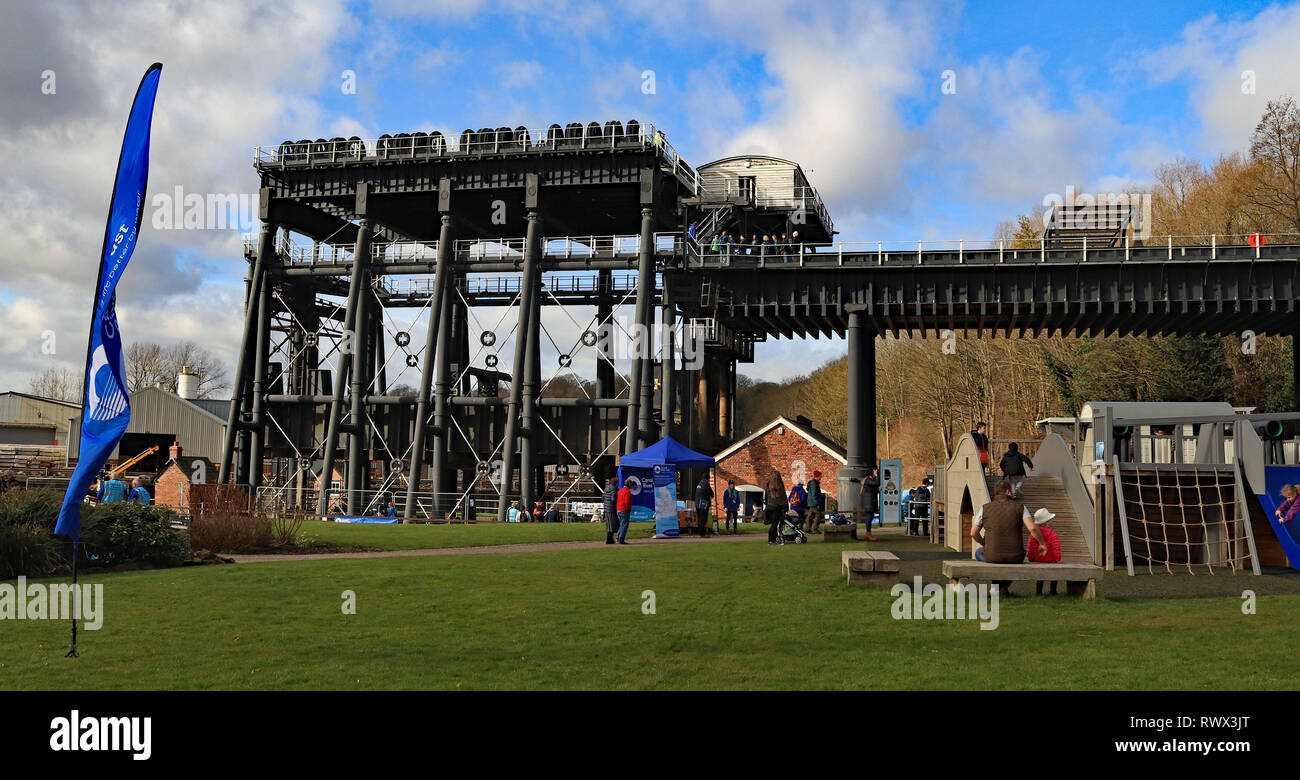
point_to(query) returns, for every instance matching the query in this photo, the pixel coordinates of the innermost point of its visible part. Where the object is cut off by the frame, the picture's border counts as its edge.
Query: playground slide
(1288, 534)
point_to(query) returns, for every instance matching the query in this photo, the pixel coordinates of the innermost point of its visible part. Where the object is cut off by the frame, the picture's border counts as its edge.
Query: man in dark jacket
(703, 502)
(731, 503)
(609, 504)
(816, 502)
(774, 506)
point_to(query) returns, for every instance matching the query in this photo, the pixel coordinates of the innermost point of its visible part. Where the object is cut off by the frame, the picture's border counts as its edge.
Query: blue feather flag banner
(106, 406)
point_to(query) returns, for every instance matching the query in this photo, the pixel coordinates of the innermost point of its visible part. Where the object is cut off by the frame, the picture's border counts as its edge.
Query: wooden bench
(838, 533)
(1080, 578)
(878, 568)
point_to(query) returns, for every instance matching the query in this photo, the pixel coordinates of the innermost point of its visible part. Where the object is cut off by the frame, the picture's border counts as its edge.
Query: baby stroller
(791, 529)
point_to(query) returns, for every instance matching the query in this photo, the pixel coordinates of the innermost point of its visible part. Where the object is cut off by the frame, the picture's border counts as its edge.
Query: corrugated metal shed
(157, 411)
(34, 410)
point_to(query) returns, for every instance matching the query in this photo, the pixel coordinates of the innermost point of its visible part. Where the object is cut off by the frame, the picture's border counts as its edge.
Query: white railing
(804, 198)
(513, 248)
(1172, 247)
(421, 145)
(510, 285)
(301, 253)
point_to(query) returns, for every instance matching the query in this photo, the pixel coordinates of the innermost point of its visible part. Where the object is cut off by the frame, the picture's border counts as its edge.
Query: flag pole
(76, 600)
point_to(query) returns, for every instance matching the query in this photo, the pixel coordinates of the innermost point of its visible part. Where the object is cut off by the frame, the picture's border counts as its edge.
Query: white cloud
(234, 76)
(1212, 56)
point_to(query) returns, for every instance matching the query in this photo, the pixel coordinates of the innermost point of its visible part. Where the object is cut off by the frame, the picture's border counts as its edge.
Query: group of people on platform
(761, 245)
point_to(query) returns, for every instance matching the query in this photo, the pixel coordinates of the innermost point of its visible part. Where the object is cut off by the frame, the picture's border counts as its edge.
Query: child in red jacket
(1036, 553)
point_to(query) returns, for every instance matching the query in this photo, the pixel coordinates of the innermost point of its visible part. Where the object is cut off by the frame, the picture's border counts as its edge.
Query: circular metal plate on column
(402, 338)
(562, 470)
(310, 339)
(589, 338)
(483, 467)
(487, 338)
(491, 361)
(304, 464)
(565, 360)
(396, 465)
(412, 361)
(584, 472)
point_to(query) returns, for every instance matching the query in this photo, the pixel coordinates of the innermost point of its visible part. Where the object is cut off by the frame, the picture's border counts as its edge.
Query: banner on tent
(666, 524)
(642, 487)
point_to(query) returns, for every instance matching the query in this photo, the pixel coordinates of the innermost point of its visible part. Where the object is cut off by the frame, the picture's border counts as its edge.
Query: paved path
(495, 548)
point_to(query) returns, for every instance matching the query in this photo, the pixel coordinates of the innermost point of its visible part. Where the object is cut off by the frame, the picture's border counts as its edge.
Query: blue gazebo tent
(667, 451)
(641, 466)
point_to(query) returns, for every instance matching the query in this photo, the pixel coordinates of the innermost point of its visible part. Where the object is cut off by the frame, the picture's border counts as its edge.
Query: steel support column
(441, 389)
(446, 237)
(527, 299)
(257, 278)
(257, 436)
(641, 400)
(336, 401)
(529, 471)
(358, 456)
(667, 396)
(861, 455)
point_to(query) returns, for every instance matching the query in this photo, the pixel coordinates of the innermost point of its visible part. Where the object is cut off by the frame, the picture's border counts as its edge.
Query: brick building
(794, 447)
(171, 485)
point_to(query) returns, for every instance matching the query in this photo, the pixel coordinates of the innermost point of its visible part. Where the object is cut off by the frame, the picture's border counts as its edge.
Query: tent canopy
(667, 450)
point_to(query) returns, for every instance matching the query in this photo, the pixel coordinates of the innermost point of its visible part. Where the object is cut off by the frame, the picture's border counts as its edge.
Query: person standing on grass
(816, 502)
(731, 503)
(774, 506)
(703, 503)
(513, 514)
(623, 505)
(869, 499)
(1013, 467)
(609, 508)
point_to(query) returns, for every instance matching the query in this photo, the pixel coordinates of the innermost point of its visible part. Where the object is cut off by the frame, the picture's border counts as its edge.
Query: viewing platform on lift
(758, 195)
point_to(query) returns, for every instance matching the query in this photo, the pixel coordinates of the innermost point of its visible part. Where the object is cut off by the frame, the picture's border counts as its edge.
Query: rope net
(1183, 518)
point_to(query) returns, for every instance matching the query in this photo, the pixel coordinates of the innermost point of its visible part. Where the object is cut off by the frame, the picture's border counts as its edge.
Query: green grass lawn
(729, 615)
(423, 537)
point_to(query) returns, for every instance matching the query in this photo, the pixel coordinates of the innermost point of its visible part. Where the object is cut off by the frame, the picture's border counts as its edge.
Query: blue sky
(1047, 97)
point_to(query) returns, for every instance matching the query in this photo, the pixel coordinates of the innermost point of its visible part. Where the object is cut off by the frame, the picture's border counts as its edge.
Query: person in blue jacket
(731, 504)
(111, 490)
(138, 495)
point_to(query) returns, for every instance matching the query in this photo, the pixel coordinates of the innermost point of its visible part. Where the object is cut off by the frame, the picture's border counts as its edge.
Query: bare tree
(1276, 146)
(153, 365)
(60, 384)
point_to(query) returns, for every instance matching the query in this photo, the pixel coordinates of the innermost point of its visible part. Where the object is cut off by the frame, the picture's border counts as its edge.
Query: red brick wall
(751, 464)
(172, 488)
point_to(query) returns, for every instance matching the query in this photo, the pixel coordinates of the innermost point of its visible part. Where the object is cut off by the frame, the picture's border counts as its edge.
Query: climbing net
(1183, 517)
